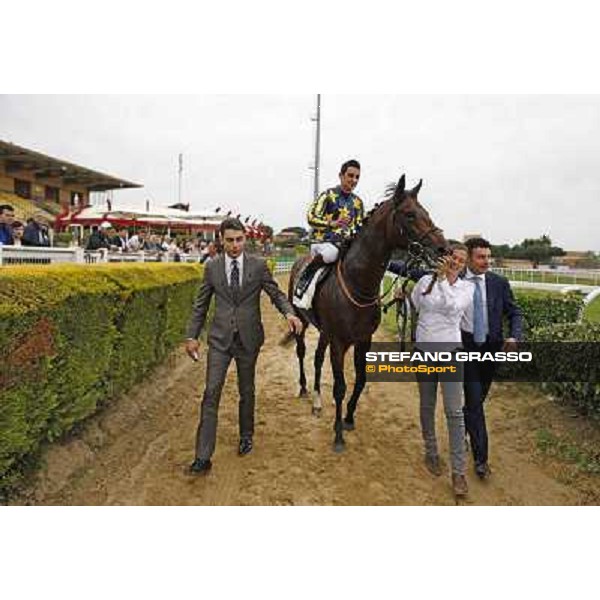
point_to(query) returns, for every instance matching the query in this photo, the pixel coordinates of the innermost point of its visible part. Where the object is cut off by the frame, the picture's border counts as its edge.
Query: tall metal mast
(317, 164)
(180, 175)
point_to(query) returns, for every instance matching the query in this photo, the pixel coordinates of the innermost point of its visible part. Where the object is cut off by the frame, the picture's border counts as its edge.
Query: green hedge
(541, 309)
(74, 337)
(578, 361)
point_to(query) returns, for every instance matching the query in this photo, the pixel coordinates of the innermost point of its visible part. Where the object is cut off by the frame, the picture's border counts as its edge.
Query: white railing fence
(587, 282)
(28, 255)
(570, 276)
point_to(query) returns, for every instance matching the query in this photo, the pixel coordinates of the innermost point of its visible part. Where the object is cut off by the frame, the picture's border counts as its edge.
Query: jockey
(336, 215)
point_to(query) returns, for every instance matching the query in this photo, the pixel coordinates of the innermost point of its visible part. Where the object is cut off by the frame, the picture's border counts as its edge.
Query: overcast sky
(507, 167)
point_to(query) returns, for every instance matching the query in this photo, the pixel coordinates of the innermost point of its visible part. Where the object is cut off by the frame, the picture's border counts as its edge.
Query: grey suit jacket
(243, 315)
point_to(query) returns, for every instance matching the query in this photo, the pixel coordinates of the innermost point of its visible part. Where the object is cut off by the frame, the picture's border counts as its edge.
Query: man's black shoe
(245, 446)
(483, 471)
(200, 467)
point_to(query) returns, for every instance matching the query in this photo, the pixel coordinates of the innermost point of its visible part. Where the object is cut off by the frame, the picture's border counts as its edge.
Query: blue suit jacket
(501, 303)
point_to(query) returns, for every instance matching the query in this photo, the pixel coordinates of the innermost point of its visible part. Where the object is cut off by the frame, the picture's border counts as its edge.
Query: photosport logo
(533, 362)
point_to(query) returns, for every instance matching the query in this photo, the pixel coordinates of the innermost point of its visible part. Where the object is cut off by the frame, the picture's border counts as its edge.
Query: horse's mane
(390, 189)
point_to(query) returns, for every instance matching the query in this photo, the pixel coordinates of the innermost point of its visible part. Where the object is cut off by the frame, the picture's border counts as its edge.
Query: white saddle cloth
(306, 300)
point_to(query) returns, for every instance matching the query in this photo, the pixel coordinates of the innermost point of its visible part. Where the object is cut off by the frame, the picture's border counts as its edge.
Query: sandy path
(136, 452)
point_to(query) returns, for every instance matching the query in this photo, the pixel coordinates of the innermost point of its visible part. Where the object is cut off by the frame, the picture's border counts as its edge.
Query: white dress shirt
(441, 311)
(467, 320)
(229, 264)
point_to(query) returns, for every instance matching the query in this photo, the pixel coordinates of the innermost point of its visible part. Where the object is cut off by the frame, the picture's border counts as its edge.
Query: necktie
(235, 278)
(478, 325)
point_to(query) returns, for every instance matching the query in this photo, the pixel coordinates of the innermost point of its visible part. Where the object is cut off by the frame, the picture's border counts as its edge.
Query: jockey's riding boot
(306, 277)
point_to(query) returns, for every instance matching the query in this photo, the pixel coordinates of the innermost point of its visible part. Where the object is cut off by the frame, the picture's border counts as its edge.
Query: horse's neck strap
(347, 293)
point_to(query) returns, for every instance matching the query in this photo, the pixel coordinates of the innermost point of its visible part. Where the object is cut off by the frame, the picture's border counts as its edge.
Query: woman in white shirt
(441, 306)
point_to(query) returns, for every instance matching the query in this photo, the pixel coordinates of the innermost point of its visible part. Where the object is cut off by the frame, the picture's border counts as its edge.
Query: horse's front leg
(337, 351)
(360, 364)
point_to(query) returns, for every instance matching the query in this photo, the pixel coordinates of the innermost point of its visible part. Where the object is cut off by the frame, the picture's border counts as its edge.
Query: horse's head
(410, 226)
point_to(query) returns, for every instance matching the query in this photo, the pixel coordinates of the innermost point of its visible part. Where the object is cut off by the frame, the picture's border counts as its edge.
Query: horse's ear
(399, 191)
(401, 185)
(415, 191)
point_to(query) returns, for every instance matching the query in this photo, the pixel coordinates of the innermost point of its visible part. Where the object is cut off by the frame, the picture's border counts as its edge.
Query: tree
(299, 231)
(536, 250)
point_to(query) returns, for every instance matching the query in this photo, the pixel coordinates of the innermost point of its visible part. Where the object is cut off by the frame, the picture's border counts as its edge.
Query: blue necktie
(478, 324)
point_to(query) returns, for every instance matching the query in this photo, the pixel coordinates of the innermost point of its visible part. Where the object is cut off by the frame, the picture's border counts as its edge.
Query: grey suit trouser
(216, 371)
(453, 407)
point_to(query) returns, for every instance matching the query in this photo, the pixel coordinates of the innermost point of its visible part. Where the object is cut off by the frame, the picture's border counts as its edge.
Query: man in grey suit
(236, 280)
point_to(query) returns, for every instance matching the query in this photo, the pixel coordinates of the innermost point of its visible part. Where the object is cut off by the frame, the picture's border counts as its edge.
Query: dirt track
(136, 452)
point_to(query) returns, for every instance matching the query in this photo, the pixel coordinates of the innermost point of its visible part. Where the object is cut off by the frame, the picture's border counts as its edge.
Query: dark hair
(477, 242)
(231, 223)
(348, 164)
(17, 224)
(4, 207)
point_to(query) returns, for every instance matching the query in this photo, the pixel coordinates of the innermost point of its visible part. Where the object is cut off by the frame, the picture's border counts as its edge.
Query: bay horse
(347, 306)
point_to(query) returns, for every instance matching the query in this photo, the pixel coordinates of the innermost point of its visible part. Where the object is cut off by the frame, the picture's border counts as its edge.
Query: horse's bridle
(417, 253)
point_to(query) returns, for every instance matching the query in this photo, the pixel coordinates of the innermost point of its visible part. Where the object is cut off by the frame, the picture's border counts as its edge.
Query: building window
(23, 188)
(76, 200)
(52, 194)
(38, 192)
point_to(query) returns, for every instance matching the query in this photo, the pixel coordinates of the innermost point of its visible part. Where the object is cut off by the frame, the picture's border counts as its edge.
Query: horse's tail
(289, 337)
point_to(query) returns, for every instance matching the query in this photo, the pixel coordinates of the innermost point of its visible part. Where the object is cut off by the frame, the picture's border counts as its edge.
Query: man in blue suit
(482, 330)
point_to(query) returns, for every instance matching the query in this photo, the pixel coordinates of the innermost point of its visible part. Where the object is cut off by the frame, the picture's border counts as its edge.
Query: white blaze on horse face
(349, 179)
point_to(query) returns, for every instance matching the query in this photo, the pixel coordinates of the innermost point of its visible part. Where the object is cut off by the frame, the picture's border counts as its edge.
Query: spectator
(100, 238)
(18, 229)
(152, 244)
(119, 241)
(36, 231)
(171, 246)
(136, 242)
(7, 215)
(211, 253)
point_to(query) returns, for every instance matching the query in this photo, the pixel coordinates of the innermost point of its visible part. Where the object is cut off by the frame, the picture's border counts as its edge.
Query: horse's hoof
(339, 447)
(316, 411)
(349, 425)
(303, 393)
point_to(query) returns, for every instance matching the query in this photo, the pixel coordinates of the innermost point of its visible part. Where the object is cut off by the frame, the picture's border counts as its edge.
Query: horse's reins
(405, 305)
(416, 253)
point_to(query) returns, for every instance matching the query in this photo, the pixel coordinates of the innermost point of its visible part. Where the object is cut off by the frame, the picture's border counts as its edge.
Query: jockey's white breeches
(327, 250)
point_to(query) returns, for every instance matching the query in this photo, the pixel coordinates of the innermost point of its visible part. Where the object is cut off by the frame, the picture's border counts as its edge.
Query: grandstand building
(34, 182)
(59, 191)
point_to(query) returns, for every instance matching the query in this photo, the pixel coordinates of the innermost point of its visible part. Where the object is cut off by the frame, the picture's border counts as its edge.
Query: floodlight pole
(180, 176)
(317, 165)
